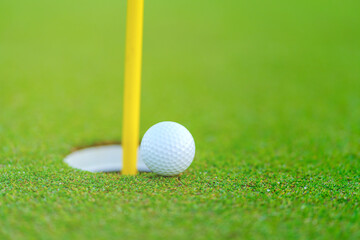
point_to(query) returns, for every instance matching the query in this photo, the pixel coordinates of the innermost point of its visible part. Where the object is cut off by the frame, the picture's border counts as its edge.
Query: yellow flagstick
(131, 114)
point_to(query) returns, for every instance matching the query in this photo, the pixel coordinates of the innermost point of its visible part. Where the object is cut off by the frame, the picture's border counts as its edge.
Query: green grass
(269, 89)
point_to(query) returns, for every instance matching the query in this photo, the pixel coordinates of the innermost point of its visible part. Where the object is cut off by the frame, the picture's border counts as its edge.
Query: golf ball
(167, 148)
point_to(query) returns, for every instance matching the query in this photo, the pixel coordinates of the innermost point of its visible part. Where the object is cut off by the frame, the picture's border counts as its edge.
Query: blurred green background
(269, 90)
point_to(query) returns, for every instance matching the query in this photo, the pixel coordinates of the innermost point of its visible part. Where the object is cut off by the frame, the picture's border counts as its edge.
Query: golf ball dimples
(167, 148)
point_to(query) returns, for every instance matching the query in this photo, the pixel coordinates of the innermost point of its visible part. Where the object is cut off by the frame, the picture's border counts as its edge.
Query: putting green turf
(269, 89)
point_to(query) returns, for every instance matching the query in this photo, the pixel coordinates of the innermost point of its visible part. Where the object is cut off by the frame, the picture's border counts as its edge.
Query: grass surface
(269, 90)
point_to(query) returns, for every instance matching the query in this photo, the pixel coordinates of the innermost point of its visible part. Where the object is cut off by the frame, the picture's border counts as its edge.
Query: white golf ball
(167, 148)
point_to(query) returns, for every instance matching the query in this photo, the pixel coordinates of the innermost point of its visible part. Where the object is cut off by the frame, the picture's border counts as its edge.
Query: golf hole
(100, 159)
